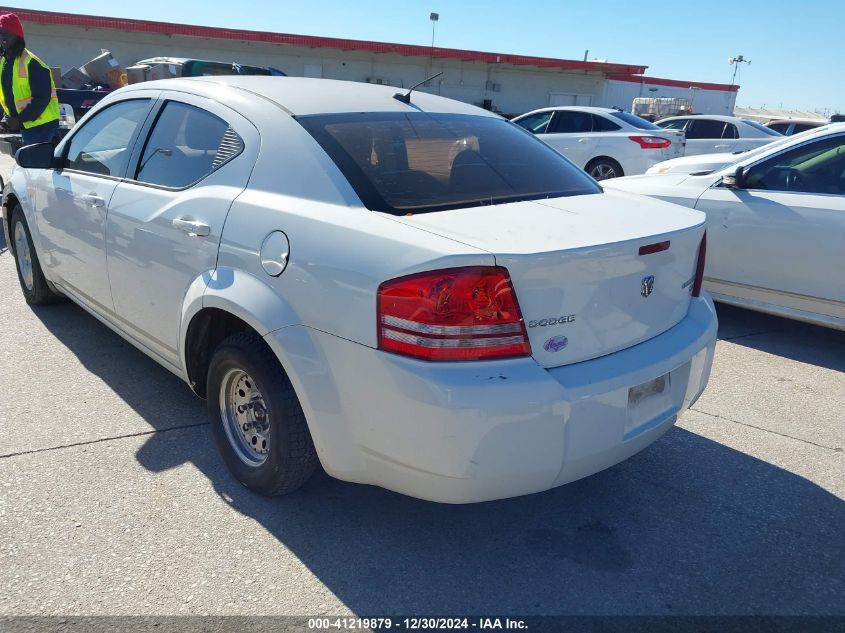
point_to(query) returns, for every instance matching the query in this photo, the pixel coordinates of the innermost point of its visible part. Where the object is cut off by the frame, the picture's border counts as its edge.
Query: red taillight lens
(452, 314)
(651, 142)
(699, 267)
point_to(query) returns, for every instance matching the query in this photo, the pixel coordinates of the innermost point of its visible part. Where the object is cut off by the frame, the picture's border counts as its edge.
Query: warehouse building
(510, 84)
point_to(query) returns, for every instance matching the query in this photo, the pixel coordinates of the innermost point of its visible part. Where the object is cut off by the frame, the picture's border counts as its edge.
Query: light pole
(735, 62)
(434, 17)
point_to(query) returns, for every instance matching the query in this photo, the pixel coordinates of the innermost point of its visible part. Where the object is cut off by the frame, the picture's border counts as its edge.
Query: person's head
(11, 32)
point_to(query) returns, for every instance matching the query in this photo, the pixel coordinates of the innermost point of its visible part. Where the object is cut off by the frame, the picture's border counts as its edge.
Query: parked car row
(609, 143)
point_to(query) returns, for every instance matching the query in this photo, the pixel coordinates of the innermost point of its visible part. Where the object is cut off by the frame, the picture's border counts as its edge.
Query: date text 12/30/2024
(414, 624)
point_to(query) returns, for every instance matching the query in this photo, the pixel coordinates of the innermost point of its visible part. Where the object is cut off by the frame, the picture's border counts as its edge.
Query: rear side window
(640, 123)
(101, 146)
(601, 124)
(676, 124)
(761, 128)
(780, 128)
(186, 144)
(417, 162)
(536, 123)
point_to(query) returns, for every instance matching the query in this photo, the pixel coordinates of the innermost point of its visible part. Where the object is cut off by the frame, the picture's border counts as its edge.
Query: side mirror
(735, 180)
(37, 156)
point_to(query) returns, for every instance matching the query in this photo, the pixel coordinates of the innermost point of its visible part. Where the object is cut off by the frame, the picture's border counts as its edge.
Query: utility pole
(434, 17)
(735, 62)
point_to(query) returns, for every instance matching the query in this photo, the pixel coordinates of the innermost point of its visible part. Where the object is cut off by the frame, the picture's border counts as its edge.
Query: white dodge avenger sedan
(412, 291)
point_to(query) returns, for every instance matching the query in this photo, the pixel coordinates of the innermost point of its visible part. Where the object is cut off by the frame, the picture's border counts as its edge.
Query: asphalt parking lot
(113, 499)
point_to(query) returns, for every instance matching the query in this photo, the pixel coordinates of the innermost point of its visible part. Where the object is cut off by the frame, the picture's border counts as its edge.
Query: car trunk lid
(583, 286)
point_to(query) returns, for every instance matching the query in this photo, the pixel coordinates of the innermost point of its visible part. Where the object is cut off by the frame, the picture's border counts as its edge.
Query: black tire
(290, 458)
(604, 168)
(36, 290)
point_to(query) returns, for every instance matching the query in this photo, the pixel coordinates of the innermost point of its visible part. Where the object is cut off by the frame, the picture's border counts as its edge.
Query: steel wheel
(24, 256)
(245, 417)
(262, 434)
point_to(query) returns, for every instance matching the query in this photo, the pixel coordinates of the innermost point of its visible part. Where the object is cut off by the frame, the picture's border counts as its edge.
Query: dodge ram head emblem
(647, 285)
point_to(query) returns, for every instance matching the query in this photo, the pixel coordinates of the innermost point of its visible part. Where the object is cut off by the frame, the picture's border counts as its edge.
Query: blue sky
(796, 50)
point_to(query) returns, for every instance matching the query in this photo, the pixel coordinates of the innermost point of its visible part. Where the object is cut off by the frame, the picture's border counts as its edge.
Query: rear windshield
(416, 162)
(636, 121)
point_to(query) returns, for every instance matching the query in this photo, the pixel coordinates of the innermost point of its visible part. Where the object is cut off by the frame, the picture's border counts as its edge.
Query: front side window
(817, 167)
(186, 144)
(780, 128)
(536, 123)
(418, 162)
(101, 146)
(730, 131)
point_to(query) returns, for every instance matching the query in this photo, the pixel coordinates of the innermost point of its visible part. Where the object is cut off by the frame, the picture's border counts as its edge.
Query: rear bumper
(469, 432)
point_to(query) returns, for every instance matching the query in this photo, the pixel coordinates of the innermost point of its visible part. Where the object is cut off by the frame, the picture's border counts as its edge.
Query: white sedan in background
(712, 162)
(606, 143)
(775, 225)
(713, 133)
(410, 290)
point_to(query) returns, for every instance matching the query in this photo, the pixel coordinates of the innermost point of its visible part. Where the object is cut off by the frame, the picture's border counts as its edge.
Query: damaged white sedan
(412, 291)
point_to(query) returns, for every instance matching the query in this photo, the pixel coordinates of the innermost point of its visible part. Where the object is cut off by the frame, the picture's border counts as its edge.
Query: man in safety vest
(27, 91)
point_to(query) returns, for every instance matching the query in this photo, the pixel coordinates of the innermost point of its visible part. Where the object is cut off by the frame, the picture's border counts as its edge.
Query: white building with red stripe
(507, 83)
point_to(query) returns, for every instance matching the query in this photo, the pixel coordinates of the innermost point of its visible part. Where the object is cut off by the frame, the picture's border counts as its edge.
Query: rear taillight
(452, 314)
(699, 267)
(651, 142)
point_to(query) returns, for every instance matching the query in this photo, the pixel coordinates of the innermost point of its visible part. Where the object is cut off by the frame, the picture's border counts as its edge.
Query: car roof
(301, 96)
(801, 121)
(591, 109)
(713, 117)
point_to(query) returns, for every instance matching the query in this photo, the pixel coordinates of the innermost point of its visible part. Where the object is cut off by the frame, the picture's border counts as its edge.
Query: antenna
(406, 98)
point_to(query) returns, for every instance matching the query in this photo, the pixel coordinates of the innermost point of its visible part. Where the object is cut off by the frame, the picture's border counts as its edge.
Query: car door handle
(192, 227)
(94, 200)
(722, 146)
(583, 140)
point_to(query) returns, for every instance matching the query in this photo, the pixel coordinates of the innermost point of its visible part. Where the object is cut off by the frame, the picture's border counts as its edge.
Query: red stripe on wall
(167, 28)
(640, 79)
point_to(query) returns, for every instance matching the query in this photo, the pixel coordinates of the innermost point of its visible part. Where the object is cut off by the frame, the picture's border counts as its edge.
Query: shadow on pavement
(802, 342)
(688, 526)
